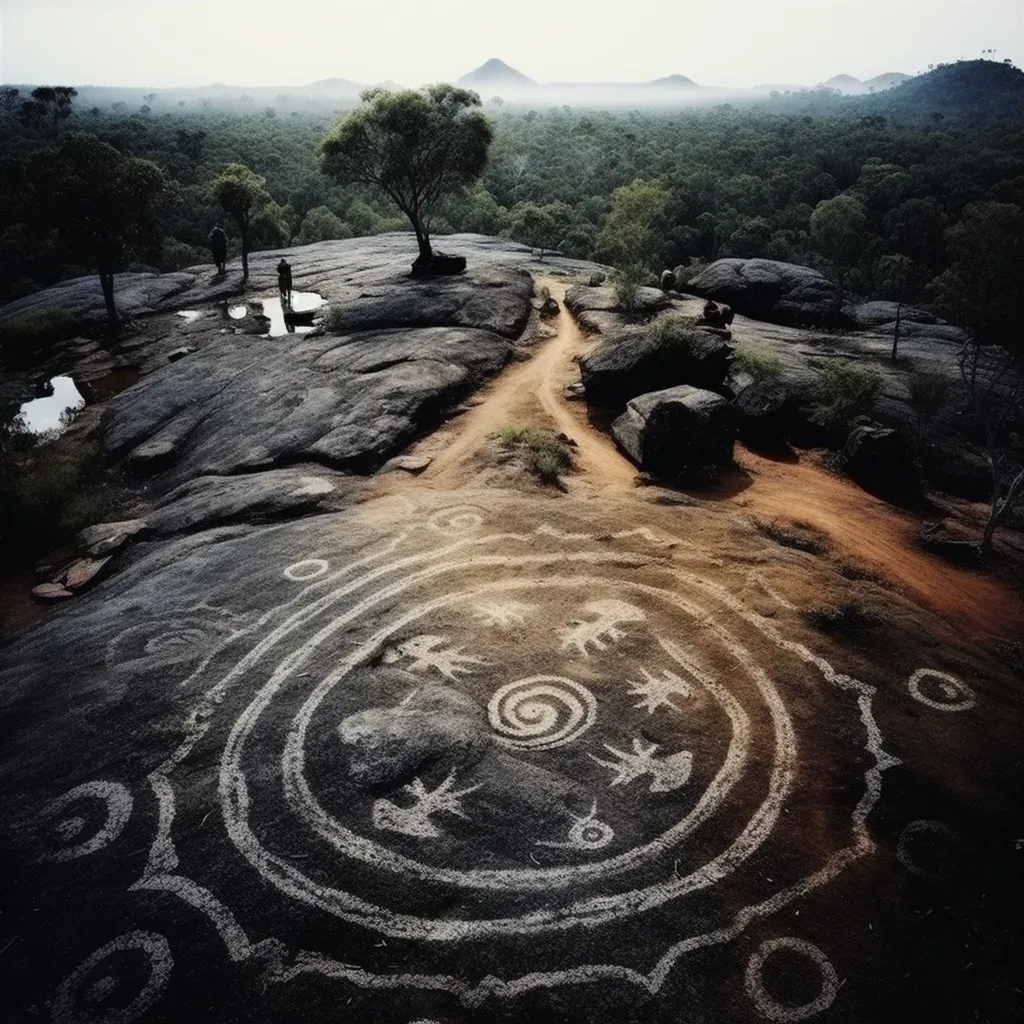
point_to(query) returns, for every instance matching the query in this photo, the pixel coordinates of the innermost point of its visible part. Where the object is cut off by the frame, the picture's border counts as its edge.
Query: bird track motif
(415, 820)
(668, 773)
(601, 632)
(428, 652)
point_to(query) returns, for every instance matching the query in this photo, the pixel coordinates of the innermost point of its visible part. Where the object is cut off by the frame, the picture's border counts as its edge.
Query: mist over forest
(729, 179)
(511, 551)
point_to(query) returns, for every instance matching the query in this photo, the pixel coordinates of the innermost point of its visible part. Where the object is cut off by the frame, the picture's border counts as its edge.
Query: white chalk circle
(70, 827)
(953, 694)
(452, 522)
(770, 1007)
(79, 997)
(303, 572)
(541, 712)
(910, 858)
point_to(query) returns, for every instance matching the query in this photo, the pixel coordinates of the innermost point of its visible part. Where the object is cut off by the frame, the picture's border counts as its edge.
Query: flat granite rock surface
(471, 757)
(325, 744)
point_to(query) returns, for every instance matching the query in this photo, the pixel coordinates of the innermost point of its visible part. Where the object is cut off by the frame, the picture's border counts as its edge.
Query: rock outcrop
(348, 402)
(880, 460)
(769, 290)
(627, 362)
(682, 433)
(597, 308)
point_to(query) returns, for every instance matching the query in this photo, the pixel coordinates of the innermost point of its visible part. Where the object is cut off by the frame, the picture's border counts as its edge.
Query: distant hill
(674, 82)
(495, 75)
(968, 88)
(331, 87)
(845, 83)
(887, 80)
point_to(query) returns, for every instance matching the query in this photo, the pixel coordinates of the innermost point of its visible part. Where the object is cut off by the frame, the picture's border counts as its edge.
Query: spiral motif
(541, 712)
(453, 522)
(170, 643)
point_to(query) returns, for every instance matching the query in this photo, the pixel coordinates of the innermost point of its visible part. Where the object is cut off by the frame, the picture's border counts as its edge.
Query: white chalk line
(905, 857)
(652, 982)
(758, 578)
(963, 700)
(347, 842)
(231, 933)
(772, 1008)
(197, 723)
(475, 994)
(119, 809)
(158, 952)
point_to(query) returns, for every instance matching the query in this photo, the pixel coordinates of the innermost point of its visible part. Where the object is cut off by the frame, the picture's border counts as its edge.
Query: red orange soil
(860, 528)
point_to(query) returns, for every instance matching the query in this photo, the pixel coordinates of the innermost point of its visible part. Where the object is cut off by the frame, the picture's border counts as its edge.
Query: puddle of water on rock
(238, 312)
(42, 414)
(110, 384)
(302, 302)
(191, 315)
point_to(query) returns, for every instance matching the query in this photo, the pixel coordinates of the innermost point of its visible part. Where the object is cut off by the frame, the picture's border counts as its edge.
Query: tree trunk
(896, 331)
(245, 252)
(423, 241)
(1000, 507)
(107, 284)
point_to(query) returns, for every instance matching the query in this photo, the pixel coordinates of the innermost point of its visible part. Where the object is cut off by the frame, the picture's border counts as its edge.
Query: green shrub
(759, 362)
(543, 452)
(627, 282)
(674, 329)
(45, 495)
(847, 391)
(32, 332)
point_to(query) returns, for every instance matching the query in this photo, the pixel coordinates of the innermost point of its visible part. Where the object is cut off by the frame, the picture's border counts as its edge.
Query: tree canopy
(243, 194)
(416, 147)
(102, 204)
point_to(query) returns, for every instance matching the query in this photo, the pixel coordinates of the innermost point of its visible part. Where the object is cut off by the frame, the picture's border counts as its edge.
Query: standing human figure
(284, 283)
(219, 247)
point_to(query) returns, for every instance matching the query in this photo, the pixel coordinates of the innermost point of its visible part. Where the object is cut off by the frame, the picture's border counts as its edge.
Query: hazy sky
(162, 43)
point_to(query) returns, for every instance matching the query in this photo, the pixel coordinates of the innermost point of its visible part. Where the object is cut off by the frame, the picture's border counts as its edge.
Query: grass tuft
(543, 452)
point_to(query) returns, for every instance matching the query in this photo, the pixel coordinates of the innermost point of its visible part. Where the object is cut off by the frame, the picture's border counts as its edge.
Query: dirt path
(870, 532)
(860, 527)
(530, 394)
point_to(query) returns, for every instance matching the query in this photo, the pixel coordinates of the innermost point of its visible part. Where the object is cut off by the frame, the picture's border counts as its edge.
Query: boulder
(766, 411)
(597, 279)
(440, 265)
(270, 497)
(346, 402)
(956, 467)
(715, 315)
(549, 308)
(769, 290)
(681, 433)
(668, 281)
(597, 308)
(634, 361)
(879, 459)
(679, 273)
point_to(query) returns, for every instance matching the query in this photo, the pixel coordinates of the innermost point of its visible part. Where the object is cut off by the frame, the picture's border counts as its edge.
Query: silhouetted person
(284, 283)
(219, 248)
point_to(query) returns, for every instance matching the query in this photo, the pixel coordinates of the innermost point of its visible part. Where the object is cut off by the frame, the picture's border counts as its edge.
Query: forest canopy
(844, 184)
